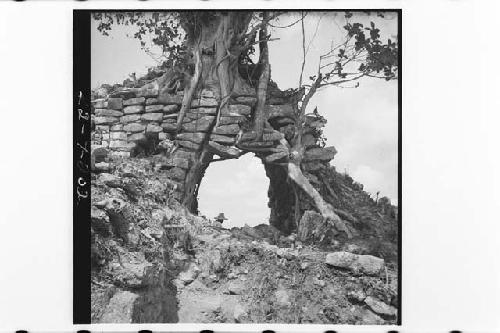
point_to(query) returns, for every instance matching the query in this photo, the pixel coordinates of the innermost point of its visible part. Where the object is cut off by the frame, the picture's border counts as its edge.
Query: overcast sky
(362, 122)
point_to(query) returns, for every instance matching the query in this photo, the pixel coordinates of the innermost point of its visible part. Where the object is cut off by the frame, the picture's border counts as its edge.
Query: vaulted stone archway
(128, 118)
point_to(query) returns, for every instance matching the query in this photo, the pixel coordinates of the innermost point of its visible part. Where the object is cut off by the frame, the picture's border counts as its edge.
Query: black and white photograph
(245, 167)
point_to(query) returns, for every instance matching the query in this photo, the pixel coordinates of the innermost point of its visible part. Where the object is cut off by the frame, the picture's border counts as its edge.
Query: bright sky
(362, 122)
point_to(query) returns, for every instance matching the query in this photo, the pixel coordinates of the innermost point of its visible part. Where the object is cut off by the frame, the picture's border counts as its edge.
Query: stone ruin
(139, 117)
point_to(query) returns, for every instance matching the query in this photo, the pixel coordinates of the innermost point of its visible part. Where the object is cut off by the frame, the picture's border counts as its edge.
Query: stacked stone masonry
(128, 119)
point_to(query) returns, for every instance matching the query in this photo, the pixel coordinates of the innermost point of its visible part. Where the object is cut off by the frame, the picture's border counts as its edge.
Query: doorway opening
(239, 189)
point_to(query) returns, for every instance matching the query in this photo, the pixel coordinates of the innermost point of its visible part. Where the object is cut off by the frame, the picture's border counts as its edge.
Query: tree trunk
(260, 115)
(323, 207)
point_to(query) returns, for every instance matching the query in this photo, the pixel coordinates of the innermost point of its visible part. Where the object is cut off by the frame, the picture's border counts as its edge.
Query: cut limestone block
(363, 264)
(133, 109)
(118, 136)
(134, 127)
(320, 154)
(232, 129)
(199, 125)
(130, 118)
(169, 127)
(115, 103)
(137, 137)
(176, 173)
(168, 109)
(116, 127)
(151, 100)
(224, 151)
(188, 144)
(223, 139)
(101, 103)
(237, 109)
(166, 98)
(134, 101)
(274, 111)
(152, 117)
(105, 120)
(108, 112)
(154, 108)
(154, 128)
(196, 137)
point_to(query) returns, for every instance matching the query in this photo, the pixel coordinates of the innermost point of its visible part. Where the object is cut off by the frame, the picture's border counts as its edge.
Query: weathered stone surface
(117, 127)
(120, 308)
(199, 125)
(110, 179)
(169, 99)
(101, 103)
(320, 154)
(380, 307)
(247, 100)
(102, 167)
(169, 109)
(134, 101)
(102, 128)
(204, 101)
(195, 137)
(227, 129)
(118, 136)
(276, 100)
(284, 121)
(105, 120)
(115, 103)
(151, 100)
(154, 128)
(189, 274)
(181, 153)
(188, 144)
(176, 173)
(177, 162)
(308, 140)
(130, 118)
(314, 228)
(108, 112)
(133, 109)
(228, 140)
(152, 117)
(120, 154)
(224, 151)
(163, 136)
(169, 127)
(154, 108)
(251, 145)
(207, 93)
(363, 264)
(121, 144)
(227, 120)
(134, 127)
(149, 90)
(124, 93)
(276, 157)
(237, 109)
(100, 220)
(269, 135)
(137, 137)
(274, 111)
(132, 269)
(206, 110)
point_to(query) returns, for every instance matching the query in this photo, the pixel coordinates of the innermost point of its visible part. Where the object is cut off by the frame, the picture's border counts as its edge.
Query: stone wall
(129, 120)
